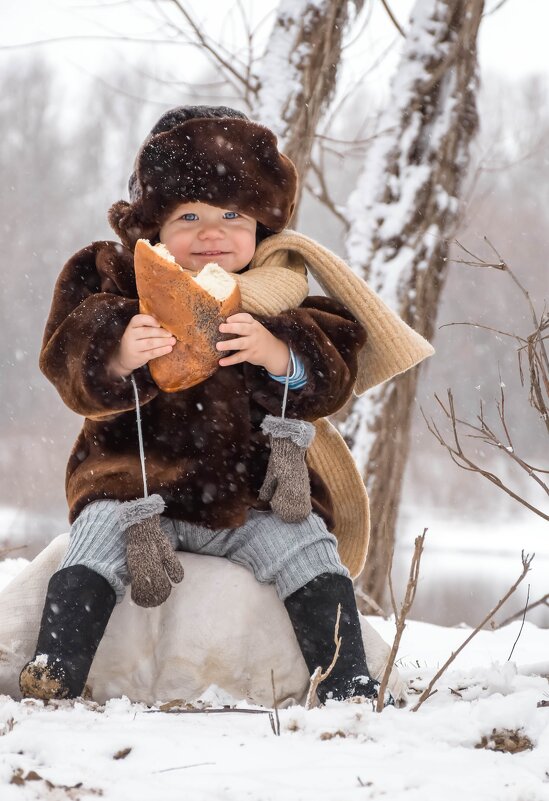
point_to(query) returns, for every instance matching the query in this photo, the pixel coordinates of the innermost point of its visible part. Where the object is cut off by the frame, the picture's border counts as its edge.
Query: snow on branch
(406, 196)
(405, 207)
(297, 72)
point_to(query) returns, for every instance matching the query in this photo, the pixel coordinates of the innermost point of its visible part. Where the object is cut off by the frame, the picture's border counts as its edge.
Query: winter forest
(423, 162)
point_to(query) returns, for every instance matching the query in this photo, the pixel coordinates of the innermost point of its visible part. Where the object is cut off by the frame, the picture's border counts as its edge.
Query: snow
(278, 72)
(124, 750)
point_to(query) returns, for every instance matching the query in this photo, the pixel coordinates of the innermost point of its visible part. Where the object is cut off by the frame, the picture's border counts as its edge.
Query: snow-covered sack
(218, 627)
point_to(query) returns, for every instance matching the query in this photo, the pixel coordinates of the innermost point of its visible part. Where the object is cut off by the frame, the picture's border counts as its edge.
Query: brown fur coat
(205, 452)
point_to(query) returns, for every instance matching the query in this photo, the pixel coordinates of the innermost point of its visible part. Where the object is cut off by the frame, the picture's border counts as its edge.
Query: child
(210, 185)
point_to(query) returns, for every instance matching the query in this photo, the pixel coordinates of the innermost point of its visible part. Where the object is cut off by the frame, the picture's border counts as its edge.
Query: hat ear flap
(126, 221)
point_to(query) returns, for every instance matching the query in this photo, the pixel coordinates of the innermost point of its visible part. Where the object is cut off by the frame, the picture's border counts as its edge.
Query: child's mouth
(211, 253)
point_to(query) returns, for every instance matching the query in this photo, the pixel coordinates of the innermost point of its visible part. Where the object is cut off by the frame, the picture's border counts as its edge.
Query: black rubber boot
(313, 612)
(79, 603)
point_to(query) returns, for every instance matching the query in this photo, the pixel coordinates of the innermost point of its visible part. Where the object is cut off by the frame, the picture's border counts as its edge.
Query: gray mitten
(286, 483)
(151, 559)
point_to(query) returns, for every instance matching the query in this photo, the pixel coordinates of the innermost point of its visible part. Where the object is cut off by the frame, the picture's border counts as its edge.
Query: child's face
(196, 233)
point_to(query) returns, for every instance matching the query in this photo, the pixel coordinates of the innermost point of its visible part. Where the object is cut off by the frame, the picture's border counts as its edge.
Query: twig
(371, 603)
(184, 767)
(392, 18)
(544, 600)
(526, 562)
(319, 676)
(276, 722)
(5, 551)
(400, 620)
(390, 576)
(495, 8)
(322, 194)
(521, 625)
(207, 711)
(214, 51)
(461, 460)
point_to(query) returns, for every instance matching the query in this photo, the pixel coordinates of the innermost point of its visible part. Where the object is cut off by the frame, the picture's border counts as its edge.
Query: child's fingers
(241, 317)
(144, 333)
(154, 353)
(234, 344)
(235, 358)
(236, 327)
(151, 343)
(144, 319)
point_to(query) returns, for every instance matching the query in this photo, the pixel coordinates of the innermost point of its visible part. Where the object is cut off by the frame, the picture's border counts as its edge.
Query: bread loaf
(190, 306)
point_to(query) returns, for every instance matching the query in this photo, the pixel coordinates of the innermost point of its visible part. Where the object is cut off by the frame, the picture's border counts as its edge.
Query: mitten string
(285, 398)
(140, 436)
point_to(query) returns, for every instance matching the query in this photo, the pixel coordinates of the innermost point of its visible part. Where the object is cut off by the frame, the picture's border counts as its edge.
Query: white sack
(219, 626)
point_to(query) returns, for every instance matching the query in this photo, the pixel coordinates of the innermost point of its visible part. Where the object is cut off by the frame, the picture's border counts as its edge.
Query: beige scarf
(277, 281)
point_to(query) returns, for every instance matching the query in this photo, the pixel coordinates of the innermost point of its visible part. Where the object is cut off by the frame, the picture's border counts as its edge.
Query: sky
(512, 40)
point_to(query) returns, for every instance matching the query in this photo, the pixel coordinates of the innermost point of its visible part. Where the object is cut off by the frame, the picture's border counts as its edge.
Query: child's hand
(255, 344)
(143, 339)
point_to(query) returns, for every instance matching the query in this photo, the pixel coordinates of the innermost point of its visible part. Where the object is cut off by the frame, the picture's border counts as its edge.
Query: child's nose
(211, 232)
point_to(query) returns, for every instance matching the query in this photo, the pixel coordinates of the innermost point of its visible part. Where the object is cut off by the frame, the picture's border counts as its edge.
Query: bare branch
(521, 625)
(495, 8)
(276, 723)
(95, 38)
(318, 675)
(526, 562)
(400, 620)
(322, 194)
(371, 603)
(543, 601)
(392, 18)
(213, 51)
(462, 460)
(5, 551)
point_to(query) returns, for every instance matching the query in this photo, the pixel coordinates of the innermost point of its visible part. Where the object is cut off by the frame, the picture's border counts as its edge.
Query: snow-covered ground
(445, 750)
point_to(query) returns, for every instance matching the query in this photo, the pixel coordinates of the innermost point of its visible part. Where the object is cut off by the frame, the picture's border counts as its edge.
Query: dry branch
(214, 51)
(538, 371)
(521, 626)
(543, 601)
(318, 675)
(400, 619)
(487, 435)
(428, 691)
(5, 551)
(275, 720)
(393, 18)
(374, 606)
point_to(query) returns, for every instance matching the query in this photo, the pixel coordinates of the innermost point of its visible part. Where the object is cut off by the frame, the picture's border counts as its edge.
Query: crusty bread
(190, 306)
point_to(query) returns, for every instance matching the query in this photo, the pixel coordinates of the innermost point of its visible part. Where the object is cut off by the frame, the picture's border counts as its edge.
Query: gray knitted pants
(286, 554)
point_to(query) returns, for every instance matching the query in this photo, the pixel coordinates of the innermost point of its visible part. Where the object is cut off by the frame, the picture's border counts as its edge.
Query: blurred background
(81, 84)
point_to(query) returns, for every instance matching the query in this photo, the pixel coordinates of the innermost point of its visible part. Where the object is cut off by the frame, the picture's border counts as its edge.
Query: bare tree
(298, 72)
(403, 212)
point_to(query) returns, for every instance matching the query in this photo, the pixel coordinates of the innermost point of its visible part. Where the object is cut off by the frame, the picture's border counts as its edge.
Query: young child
(210, 185)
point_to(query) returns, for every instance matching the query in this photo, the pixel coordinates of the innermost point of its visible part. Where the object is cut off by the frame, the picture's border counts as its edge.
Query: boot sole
(39, 681)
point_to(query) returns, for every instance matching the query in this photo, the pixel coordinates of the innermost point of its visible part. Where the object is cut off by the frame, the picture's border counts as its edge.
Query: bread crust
(186, 310)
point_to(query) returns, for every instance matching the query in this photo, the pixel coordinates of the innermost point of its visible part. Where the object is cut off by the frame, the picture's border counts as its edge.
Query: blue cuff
(298, 376)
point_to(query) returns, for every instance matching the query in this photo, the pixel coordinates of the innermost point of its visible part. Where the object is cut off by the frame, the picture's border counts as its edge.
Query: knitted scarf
(276, 282)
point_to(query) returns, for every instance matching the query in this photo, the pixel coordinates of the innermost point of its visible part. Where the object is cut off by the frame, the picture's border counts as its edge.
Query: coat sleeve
(327, 338)
(83, 331)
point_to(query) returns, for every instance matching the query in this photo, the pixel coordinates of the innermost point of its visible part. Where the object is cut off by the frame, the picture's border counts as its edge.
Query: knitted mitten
(151, 559)
(286, 483)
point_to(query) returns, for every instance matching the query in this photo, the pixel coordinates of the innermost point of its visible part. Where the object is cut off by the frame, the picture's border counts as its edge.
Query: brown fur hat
(213, 155)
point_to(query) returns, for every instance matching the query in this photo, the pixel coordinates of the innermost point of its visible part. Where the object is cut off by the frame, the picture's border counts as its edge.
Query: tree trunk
(297, 75)
(402, 214)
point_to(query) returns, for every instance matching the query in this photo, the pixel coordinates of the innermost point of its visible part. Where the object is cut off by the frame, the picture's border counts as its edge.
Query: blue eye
(231, 215)
(189, 217)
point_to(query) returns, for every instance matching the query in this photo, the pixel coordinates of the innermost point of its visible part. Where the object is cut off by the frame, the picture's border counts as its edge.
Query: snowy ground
(126, 751)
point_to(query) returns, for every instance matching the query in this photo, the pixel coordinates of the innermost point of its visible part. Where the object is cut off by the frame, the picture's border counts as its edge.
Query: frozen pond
(468, 566)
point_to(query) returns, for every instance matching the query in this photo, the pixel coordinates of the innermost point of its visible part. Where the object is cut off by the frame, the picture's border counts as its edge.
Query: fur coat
(205, 452)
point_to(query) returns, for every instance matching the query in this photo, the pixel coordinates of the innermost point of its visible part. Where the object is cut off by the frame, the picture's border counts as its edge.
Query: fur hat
(210, 154)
